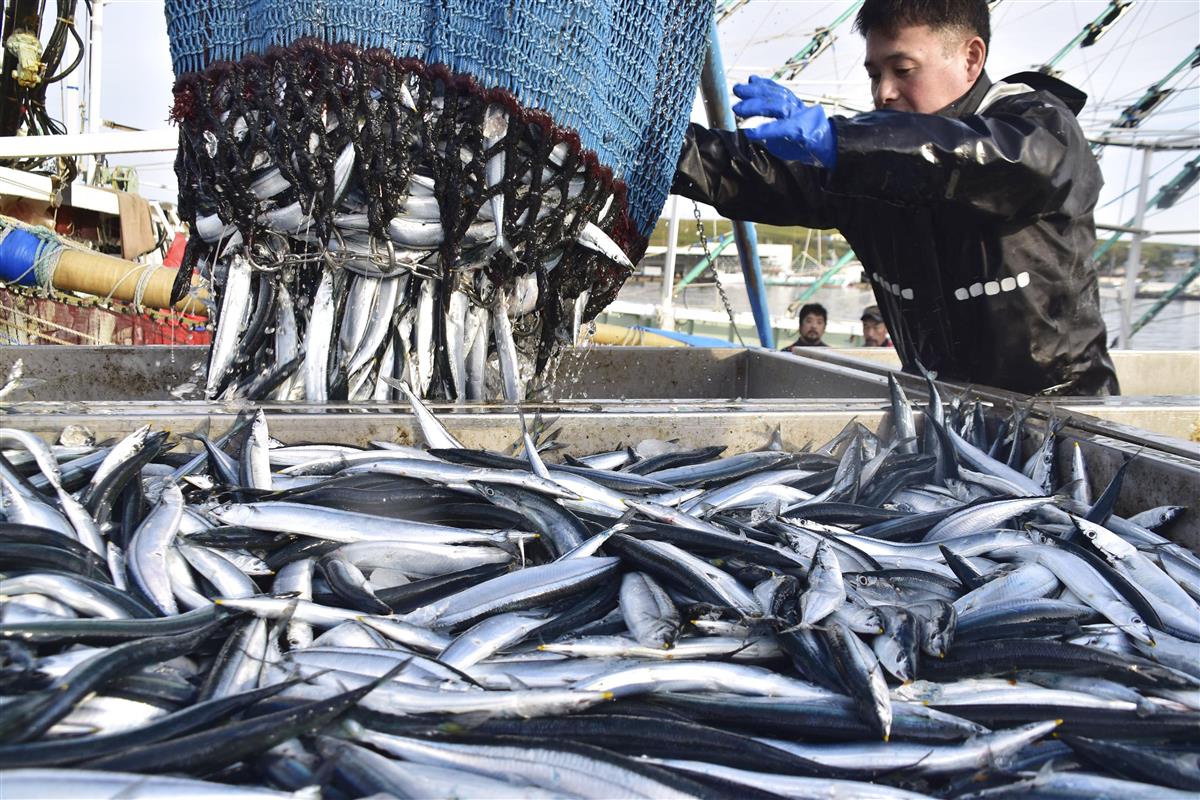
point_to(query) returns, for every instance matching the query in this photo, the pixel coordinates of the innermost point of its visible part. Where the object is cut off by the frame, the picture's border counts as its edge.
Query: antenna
(821, 41)
(1090, 34)
(725, 9)
(1165, 198)
(1135, 114)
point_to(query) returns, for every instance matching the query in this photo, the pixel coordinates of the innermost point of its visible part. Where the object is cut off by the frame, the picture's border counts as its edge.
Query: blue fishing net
(621, 73)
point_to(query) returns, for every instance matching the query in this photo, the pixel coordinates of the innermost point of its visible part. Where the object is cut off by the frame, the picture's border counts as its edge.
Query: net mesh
(435, 193)
(621, 73)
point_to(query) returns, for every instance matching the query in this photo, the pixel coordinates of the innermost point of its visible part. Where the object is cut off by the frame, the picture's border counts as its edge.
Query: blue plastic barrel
(18, 252)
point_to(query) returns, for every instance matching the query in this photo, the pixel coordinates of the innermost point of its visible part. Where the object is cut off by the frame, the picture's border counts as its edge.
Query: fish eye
(863, 580)
(1136, 620)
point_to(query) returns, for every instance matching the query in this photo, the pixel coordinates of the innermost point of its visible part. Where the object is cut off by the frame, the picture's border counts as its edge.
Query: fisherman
(968, 202)
(875, 332)
(813, 318)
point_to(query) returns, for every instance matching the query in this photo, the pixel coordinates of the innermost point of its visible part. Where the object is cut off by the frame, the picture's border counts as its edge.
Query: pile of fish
(417, 230)
(895, 614)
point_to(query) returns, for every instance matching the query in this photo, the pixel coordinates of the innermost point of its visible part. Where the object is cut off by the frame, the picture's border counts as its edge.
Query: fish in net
(365, 218)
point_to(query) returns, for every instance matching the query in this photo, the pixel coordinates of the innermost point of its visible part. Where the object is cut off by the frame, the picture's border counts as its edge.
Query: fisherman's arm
(743, 181)
(1016, 162)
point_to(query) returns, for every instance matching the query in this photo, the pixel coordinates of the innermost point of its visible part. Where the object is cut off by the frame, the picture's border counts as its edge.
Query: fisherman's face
(812, 328)
(917, 68)
(875, 334)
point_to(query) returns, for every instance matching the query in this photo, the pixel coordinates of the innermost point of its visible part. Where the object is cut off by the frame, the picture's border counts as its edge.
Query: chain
(59, 182)
(712, 265)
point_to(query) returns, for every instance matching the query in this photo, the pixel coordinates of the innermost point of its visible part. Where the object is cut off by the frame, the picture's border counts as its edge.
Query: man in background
(813, 318)
(875, 332)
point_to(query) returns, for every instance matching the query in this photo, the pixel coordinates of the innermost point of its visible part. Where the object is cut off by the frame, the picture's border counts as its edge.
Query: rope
(119, 283)
(108, 305)
(139, 291)
(97, 325)
(42, 322)
(46, 277)
(46, 261)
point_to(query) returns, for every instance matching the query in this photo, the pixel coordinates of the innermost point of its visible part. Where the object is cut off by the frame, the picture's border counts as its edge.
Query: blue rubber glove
(799, 132)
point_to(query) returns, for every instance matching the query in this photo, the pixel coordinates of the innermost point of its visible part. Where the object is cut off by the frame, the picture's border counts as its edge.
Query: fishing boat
(85, 258)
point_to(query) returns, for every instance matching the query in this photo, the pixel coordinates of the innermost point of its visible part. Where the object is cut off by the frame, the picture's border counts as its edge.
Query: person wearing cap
(813, 318)
(969, 203)
(875, 332)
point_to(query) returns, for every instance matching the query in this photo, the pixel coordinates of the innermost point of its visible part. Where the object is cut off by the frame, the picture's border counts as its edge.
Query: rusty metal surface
(1163, 423)
(1152, 479)
(149, 372)
(583, 429)
(596, 373)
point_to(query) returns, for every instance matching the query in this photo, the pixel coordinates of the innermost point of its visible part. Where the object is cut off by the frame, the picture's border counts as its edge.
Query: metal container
(1171, 414)
(595, 373)
(606, 397)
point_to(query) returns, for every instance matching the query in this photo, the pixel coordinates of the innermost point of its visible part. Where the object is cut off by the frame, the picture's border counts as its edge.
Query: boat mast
(92, 122)
(19, 15)
(1154, 96)
(822, 39)
(1090, 34)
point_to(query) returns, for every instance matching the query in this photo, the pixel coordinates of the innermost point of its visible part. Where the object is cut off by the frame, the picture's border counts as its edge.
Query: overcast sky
(1141, 48)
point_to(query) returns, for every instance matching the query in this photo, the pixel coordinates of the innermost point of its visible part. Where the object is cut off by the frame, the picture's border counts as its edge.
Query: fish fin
(1065, 492)
(531, 452)
(313, 792)
(516, 683)
(514, 546)
(774, 441)
(1102, 509)
(623, 521)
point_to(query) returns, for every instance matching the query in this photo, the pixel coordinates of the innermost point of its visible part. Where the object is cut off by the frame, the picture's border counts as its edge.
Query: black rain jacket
(974, 226)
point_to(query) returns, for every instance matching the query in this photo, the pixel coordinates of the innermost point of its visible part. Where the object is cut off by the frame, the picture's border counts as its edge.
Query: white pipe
(1134, 264)
(666, 310)
(91, 102)
(42, 189)
(95, 62)
(84, 144)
